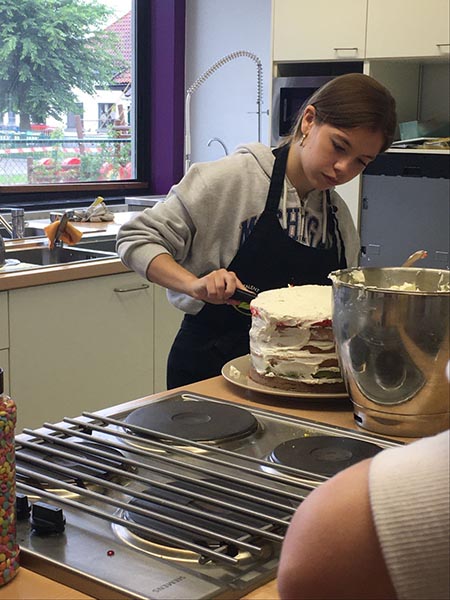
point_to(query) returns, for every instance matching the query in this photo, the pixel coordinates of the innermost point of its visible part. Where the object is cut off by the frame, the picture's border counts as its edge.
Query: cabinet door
(318, 30)
(4, 364)
(4, 328)
(407, 28)
(80, 345)
(167, 321)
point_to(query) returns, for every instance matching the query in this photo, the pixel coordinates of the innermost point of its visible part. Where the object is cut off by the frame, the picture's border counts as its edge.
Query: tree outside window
(55, 56)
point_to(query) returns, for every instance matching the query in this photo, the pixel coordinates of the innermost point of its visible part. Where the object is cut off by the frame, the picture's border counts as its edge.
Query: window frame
(159, 34)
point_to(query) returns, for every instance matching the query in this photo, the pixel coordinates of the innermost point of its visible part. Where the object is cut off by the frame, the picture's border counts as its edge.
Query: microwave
(296, 84)
(288, 96)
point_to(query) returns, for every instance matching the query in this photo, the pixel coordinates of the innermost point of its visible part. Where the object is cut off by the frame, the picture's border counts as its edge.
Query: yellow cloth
(71, 235)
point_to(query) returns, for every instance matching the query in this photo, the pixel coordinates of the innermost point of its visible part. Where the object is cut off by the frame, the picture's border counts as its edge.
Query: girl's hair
(348, 101)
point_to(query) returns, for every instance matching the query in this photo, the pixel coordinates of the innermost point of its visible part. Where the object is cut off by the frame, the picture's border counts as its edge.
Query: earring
(304, 136)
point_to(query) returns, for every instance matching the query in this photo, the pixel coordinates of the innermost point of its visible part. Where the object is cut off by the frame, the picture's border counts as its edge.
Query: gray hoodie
(209, 214)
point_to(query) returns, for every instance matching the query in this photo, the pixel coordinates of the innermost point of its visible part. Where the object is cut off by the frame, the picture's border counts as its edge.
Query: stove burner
(323, 454)
(163, 548)
(78, 470)
(198, 421)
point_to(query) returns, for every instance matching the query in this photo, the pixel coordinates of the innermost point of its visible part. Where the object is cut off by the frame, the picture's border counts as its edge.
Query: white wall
(221, 106)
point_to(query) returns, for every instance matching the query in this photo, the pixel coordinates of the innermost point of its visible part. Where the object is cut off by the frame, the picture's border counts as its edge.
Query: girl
(259, 219)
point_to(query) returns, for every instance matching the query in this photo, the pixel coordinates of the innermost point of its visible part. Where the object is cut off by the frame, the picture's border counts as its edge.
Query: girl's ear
(309, 116)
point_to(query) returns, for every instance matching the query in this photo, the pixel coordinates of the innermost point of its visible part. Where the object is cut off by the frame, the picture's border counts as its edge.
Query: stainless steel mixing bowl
(393, 347)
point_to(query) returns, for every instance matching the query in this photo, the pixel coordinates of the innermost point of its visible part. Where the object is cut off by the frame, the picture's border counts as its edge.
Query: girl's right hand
(216, 287)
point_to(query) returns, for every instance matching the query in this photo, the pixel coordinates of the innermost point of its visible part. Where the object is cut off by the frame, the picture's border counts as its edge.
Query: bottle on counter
(9, 549)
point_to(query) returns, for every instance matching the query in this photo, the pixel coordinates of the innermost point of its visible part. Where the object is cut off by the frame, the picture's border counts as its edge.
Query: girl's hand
(216, 287)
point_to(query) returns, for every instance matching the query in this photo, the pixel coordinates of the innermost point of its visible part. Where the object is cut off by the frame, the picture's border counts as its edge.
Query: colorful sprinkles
(9, 549)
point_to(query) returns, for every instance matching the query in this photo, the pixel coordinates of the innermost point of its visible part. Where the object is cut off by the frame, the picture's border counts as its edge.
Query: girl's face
(331, 156)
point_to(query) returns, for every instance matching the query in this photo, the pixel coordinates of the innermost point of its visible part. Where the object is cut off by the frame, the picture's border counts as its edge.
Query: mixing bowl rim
(371, 288)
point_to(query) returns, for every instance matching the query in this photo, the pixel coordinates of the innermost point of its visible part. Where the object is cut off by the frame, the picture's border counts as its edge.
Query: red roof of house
(122, 28)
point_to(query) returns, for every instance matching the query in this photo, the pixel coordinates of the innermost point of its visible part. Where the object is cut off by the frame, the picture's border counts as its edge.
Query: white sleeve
(350, 235)
(409, 495)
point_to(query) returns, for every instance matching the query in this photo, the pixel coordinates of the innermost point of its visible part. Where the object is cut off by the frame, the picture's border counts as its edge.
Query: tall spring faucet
(218, 140)
(200, 80)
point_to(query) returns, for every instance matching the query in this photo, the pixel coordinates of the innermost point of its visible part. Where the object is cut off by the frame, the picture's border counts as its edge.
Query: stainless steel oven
(185, 497)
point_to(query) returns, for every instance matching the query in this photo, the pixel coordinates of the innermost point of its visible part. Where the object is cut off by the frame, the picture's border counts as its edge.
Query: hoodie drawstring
(284, 206)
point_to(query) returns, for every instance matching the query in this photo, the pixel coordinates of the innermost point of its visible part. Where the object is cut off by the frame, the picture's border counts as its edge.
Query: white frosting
(306, 304)
(281, 328)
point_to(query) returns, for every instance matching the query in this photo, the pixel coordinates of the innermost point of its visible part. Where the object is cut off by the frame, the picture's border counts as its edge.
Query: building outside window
(72, 116)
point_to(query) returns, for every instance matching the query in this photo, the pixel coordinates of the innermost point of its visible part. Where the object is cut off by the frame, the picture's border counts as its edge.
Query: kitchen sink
(104, 243)
(28, 232)
(43, 256)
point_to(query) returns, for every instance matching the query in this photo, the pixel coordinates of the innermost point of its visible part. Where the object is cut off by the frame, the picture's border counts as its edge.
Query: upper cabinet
(319, 30)
(358, 29)
(407, 28)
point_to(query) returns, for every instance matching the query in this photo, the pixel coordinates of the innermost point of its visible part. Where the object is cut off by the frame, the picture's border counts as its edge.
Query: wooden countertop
(28, 585)
(67, 272)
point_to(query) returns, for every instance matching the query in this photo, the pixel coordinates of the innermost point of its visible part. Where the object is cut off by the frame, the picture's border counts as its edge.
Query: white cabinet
(407, 28)
(358, 29)
(167, 320)
(319, 30)
(4, 326)
(80, 345)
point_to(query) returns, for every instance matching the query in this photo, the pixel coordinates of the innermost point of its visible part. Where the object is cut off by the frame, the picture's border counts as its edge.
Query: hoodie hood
(260, 153)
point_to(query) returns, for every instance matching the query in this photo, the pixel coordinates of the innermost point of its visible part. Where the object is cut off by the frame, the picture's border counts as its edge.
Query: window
(147, 114)
(91, 123)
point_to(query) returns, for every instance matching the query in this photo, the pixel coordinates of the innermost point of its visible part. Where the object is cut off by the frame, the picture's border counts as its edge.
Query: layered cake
(292, 345)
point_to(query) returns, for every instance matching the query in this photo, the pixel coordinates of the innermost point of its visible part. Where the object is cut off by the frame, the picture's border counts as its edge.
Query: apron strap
(277, 179)
(333, 227)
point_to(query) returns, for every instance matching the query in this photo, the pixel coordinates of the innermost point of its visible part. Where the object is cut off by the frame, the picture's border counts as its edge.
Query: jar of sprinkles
(9, 549)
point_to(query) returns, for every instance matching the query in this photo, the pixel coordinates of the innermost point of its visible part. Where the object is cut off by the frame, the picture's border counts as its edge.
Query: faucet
(5, 224)
(17, 227)
(215, 139)
(18, 223)
(200, 80)
(16, 230)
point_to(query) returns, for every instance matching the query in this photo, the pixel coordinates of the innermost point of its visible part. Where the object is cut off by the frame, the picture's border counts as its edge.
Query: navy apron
(268, 259)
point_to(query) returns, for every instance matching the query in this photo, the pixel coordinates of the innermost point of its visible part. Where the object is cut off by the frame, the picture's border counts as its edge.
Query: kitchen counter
(71, 271)
(28, 585)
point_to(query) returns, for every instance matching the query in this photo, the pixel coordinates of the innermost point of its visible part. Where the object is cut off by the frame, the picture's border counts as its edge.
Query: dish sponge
(71, 235)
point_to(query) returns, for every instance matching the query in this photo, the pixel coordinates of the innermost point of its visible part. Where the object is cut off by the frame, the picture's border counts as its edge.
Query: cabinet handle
(138, 288)
(355, 49)
(439, 45)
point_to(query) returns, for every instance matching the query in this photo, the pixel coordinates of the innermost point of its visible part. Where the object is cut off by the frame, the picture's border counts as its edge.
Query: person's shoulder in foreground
(378, 530)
